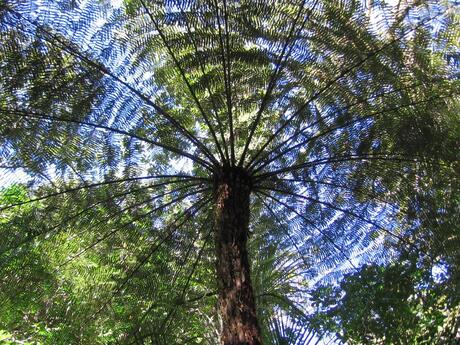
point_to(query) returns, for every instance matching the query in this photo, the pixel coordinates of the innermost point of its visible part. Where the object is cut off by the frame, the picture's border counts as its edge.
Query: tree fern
(275, 143)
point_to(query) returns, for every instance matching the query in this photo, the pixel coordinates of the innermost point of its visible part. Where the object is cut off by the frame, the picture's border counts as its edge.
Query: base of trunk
(236, 298)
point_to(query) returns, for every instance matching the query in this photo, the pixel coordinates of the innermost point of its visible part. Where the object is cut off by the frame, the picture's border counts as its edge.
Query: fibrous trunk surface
(236, 298)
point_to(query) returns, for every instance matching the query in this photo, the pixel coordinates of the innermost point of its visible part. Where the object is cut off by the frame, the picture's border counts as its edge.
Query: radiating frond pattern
(122, 116)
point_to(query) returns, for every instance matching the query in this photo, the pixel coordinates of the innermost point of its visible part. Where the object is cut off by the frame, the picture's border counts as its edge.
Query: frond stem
(188, 214)
(104, 219)
(336, 159)
(53, 38)
(226, 159)
(342, 74)
(227, 84)
(276, 73)
(333, 129)
(308, 221)
(336, 208)
(184, 178)
(113, 232)
(293, 242)
(186, 81)
(35, 115)
(254, 162)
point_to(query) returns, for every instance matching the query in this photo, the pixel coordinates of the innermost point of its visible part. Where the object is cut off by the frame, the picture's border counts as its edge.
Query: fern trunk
(236, 298)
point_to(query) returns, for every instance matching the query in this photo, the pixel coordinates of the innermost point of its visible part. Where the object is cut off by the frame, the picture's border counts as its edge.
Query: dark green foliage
(403, 303)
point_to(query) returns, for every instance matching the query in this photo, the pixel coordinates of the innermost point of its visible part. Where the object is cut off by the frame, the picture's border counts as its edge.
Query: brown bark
(236, 298)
